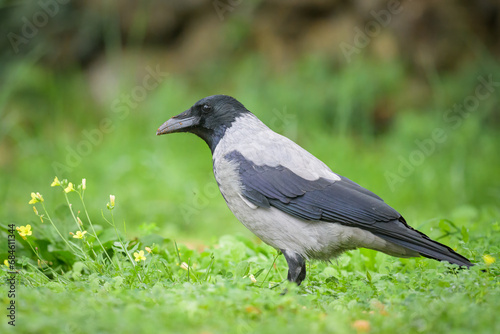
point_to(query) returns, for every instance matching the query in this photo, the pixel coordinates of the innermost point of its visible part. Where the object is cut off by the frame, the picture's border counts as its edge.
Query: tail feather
(421, 243)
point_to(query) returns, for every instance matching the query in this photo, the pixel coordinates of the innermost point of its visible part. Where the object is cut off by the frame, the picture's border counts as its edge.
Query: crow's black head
(208, 118)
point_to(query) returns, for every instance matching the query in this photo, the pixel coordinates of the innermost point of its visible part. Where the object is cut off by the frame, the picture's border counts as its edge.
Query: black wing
(343, 202)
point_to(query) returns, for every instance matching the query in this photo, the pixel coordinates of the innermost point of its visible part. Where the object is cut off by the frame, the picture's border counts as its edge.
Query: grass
(101, 282)
(167, 200)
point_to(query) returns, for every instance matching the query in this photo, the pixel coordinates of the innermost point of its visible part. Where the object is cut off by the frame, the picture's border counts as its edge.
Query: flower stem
(72, 213)
(40, 259)
(112, 223)
(274, 261)
(93, 229)
(57, 230)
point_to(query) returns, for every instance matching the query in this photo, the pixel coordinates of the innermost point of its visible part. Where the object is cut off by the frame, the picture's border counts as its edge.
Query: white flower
(111, 204)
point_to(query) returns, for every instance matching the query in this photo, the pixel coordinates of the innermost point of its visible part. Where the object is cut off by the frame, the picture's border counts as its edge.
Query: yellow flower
(35, 198)
(24, 231)
(488, 259)
(252, 278)
(148, 249)
(6, 263)
(69, 188)
(84, 184)
(79, 234)
(55, 183)
(35, 211)
(139, 256)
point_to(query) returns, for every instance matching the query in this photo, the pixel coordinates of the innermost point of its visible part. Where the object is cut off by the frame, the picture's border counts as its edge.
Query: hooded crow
(290, 199)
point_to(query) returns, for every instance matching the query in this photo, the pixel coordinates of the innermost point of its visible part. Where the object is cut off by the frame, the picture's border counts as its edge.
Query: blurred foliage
(74, 104)
(52, 125)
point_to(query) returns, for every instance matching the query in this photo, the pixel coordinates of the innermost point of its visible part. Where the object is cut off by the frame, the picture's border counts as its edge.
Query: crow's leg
(296, 266)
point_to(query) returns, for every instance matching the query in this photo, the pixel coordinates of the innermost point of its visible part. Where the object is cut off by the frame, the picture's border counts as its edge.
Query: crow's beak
(180, 123)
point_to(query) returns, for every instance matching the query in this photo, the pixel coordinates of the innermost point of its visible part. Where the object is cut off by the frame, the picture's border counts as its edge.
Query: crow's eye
(206, 108)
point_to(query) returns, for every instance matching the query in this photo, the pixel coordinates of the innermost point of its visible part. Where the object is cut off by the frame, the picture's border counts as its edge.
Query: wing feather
(337, 201)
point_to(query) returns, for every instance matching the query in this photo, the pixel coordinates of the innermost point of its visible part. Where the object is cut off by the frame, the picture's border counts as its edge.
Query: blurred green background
(391, 95)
